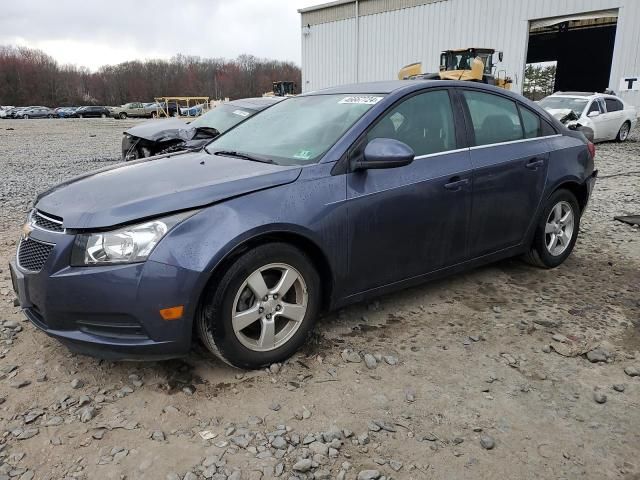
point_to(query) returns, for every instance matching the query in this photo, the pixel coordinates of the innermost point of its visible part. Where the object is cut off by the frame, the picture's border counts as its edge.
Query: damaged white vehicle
(606, 116)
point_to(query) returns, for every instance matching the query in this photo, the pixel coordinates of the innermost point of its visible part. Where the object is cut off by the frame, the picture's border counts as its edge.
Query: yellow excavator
(471, 64)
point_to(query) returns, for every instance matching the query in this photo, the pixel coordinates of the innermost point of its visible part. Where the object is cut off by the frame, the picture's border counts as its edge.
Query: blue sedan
(323, 200)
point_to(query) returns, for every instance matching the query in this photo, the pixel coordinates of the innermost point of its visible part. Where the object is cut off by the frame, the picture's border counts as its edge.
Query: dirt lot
(460, 380)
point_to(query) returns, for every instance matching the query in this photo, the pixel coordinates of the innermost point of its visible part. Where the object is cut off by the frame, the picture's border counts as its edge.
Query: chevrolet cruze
(322, 200)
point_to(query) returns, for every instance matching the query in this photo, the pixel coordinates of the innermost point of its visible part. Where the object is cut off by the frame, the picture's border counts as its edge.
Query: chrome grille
(32, 254)
(47, 222)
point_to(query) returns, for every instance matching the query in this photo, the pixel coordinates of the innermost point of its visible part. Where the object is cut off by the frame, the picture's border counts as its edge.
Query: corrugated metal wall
(391, 39)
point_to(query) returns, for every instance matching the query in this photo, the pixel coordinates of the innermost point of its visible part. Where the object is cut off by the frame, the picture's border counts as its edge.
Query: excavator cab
(471, 64)
(284, 88)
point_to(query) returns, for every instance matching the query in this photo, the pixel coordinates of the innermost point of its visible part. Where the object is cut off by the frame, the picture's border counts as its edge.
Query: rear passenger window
(424, 122)
(531, 123)
(495, 119)
(613, 105)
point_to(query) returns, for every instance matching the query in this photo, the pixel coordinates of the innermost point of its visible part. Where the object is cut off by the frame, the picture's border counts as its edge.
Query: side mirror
(384, 153)
(594, 113)
(500, 55)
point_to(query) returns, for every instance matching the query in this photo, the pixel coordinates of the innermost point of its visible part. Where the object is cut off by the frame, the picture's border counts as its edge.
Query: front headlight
(128, 244)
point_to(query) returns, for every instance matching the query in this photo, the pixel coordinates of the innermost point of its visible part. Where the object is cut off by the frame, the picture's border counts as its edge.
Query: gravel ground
(506, 371)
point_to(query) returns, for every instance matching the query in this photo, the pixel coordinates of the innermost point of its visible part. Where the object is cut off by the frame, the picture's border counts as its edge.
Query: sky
(92, 33)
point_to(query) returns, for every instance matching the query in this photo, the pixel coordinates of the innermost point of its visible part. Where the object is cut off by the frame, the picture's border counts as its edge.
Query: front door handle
(534, 163)
(456, 183)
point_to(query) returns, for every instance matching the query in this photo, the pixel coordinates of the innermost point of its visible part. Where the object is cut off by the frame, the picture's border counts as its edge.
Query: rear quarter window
(530, 123)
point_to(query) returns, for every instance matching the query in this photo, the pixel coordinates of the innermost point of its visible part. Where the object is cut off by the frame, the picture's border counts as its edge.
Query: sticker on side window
(242, 113)
(361, 99)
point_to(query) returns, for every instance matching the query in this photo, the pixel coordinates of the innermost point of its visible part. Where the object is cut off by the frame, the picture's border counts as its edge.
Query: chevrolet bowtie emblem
(26, 230)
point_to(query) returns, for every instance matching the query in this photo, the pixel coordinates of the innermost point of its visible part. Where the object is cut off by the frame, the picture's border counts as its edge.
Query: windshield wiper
(245, 156)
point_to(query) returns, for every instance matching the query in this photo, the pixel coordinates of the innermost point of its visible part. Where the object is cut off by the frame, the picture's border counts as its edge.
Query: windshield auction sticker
(242, 113)
(361, 100)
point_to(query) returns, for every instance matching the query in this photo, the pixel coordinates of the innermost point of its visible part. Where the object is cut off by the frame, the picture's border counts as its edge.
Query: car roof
(584, 95)
(256, 103)
(371, 87)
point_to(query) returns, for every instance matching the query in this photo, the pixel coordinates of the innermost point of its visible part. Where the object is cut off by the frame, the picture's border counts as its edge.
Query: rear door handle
(534, 163)
(456, 183)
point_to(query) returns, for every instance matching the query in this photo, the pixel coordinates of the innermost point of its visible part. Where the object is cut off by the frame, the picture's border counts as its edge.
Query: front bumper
(109, 312)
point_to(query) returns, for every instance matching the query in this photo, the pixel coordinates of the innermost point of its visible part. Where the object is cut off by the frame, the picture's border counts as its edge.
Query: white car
(608, 116)
(4, 109)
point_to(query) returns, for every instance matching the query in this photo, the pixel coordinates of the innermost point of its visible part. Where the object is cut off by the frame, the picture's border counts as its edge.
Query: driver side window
(423, 121)
(595, 107)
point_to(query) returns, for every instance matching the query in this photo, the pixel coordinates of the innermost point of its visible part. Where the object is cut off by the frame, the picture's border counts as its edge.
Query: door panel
(509, 170)
(407, 221)
(508, 181)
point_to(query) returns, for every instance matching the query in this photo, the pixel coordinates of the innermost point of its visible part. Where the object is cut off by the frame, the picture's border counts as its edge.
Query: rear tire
(556, 232)
(623, 133)
(103, 115)
(80, 116)
(122, 116)
(26, 117)
(271, 333)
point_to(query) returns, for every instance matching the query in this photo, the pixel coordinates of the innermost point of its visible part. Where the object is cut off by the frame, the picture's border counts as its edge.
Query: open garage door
(580, 45)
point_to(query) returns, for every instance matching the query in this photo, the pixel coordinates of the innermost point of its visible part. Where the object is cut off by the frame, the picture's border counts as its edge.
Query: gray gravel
(37, 154)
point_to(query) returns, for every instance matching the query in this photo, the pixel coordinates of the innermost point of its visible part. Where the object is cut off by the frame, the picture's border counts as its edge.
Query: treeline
(539, 81)
(31, 77)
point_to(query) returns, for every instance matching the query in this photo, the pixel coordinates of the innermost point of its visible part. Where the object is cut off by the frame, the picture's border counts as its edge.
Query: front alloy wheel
(261, 309)
(269, 307)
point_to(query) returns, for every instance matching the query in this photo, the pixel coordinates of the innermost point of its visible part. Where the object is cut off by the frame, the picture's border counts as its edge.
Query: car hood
(564, 115)
(157, 186)
(158, 130)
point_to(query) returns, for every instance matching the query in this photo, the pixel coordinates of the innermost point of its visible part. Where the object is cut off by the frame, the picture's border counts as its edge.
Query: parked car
(4, 109)
(608, 116)
(319, 201)
(193, 111)
(93, 112)
(36, 112)
(173, 134)
(67, 112)
(136, 110)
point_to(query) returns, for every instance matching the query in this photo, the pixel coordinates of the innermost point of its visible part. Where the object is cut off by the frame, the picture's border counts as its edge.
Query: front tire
(623, 133)
(556, 232)
(103, 115)
(123, 116)
(261, 310)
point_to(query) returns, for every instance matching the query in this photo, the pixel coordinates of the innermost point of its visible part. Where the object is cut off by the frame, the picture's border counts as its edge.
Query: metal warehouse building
(596, 43)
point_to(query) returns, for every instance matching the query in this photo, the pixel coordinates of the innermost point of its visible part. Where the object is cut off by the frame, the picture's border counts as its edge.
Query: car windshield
(223, 117)
(297, 131)
(577, 104)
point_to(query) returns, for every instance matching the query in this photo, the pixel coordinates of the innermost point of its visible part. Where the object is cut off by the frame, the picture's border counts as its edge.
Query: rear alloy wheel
(103, 115)
(557, 231)
(122, 116)
(263, 307)
(49, 116)
(26, 117)
(80, 116)
(154, 115)
(623, 133)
